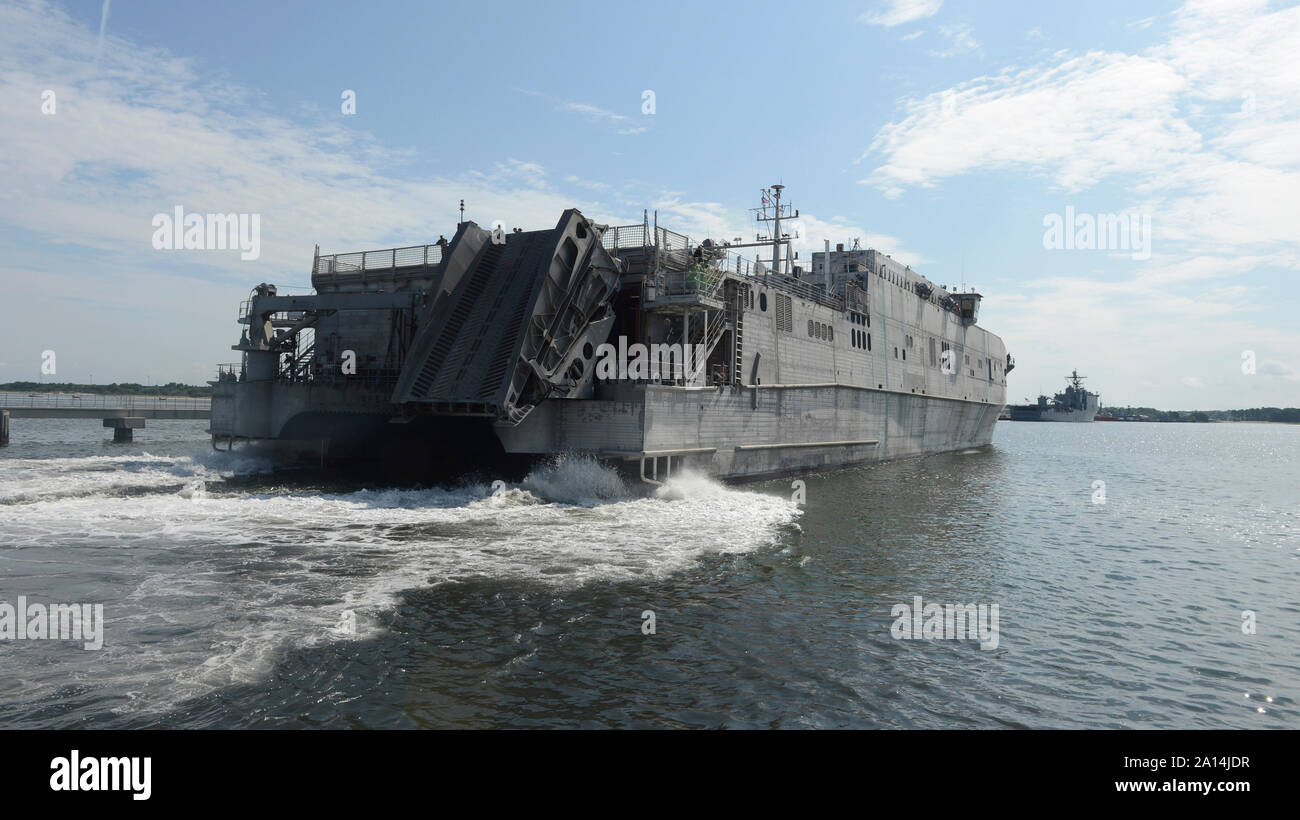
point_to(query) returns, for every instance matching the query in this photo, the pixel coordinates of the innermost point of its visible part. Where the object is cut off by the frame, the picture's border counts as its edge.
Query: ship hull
(747, 434)
(652, 433)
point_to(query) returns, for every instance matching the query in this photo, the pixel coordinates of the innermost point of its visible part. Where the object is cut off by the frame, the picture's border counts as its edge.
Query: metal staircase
(701, 335)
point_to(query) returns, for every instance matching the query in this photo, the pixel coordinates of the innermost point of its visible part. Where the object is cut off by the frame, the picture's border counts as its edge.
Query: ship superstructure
(632, 343)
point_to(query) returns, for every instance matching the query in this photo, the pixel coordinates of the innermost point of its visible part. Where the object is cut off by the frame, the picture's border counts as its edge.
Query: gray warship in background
(1072, 404)
(496, 349)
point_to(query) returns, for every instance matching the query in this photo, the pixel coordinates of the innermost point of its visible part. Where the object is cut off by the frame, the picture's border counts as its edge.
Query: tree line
(1286, 415)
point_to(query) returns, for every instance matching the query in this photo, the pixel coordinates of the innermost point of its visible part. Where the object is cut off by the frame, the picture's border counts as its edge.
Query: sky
(952, 135)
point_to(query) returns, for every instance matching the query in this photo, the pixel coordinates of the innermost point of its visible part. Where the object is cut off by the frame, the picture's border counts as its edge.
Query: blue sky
(941, 132)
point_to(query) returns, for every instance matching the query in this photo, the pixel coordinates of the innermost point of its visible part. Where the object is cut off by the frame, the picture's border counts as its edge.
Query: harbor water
(1145, 576)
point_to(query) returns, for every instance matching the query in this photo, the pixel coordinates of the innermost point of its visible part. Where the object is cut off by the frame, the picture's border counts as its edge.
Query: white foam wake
(231, 578)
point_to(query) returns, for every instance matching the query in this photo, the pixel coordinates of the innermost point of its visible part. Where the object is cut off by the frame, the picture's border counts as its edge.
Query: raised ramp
(512, 323)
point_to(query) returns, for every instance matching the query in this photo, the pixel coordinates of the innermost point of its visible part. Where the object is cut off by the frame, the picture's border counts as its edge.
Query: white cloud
(960, 40)
(1199, 129)
(1193, 381)
(912, 36)
(593, 113)
(1077, 121)
(896, 12)
(1273, 367)
(1136, 336)
(814, 232)
(103, 26)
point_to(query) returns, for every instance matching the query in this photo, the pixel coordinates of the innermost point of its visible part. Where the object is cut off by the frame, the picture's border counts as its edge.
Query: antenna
(773, 211)
(462, 210)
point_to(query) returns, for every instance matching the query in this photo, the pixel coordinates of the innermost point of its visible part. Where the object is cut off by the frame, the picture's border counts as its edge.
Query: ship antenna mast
(775, 215)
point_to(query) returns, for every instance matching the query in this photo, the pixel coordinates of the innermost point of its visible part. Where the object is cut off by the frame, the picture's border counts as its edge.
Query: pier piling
(123, 427)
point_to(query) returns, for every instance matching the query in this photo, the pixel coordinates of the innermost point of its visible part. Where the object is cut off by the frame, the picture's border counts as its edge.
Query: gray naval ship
(1072, 404)
(633, 344)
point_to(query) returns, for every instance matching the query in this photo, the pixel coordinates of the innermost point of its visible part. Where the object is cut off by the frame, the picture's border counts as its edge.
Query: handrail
(385, 259)
(729, 265)
(626, 236)
(794, 286)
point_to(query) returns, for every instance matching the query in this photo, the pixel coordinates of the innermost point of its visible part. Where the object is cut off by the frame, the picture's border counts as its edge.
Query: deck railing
(389, 259)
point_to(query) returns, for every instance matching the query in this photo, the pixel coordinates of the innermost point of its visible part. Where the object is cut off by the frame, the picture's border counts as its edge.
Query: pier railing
(100, 401)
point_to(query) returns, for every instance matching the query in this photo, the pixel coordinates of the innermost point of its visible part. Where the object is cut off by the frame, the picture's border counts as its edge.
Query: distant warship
(1073, 404)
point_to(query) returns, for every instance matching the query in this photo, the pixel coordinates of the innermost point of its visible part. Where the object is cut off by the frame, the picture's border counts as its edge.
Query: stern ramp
(512, 322)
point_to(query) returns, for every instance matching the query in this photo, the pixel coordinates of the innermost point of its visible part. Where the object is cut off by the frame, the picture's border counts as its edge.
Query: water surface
(227, 588)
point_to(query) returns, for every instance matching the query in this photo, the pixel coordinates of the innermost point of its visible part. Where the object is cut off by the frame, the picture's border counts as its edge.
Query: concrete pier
(123, 427)
(131, 411)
